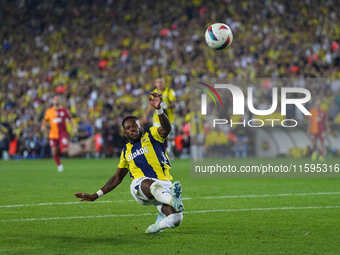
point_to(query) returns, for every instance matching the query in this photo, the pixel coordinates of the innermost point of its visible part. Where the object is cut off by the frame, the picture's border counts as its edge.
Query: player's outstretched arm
(165, 128)
(111, 184)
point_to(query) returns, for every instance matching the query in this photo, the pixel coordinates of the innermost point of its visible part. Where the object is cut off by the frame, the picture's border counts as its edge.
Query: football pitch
(40, 215)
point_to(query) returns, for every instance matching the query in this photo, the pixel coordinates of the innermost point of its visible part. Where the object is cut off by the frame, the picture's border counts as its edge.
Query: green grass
(304, 231)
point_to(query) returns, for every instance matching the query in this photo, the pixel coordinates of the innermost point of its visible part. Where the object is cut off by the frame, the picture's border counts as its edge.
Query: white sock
(160, 194)
(171, 221)
(159, 208)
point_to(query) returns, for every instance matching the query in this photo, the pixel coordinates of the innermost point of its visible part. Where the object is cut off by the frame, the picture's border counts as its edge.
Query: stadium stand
(102, 56)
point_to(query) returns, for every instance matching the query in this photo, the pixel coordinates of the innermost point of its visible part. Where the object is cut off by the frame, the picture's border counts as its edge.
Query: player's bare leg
(171, 209)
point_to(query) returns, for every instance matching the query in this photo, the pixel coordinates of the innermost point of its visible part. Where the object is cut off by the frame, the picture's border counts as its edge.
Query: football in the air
(218, 36)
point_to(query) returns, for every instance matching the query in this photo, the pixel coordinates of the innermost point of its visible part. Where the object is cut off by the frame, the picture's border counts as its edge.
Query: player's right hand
(86, 197)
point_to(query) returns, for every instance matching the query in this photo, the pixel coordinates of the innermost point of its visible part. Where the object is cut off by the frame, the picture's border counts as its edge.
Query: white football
(218, 36)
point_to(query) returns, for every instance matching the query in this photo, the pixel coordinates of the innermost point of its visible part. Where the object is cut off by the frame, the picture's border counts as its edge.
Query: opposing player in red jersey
(57, 116)
(318, 128)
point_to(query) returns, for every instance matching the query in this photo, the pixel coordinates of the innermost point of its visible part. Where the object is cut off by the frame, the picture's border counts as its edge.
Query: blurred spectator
(112, 140)
(85, 129)
(240, 142)
(7, 141)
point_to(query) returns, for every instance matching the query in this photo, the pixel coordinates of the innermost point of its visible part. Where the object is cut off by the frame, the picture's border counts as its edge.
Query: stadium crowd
(103, 56)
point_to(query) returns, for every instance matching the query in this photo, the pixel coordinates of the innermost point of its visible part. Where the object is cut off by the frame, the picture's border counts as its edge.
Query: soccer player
(144, 157)
(318, 127)
(168, 104)
(57, 116)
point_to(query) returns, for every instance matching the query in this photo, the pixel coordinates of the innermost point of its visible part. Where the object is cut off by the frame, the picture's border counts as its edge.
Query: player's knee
(175, 219)
(146, 187)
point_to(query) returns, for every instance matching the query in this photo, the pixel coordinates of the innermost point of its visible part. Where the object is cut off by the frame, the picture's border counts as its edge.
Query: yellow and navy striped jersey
(147, 157)
(168, 96)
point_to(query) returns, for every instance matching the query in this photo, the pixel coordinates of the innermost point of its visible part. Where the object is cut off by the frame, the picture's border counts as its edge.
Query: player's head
(132, 128)
(56, 101)
(160, 84)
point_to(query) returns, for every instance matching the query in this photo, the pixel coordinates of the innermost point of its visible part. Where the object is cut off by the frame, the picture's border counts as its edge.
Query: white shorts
(138, 195)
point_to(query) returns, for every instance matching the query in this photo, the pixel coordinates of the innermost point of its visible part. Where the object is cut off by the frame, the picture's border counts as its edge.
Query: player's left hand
(155, 100)
(86, 197)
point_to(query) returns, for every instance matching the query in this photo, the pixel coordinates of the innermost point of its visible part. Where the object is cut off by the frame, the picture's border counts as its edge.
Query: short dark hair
(128, 118)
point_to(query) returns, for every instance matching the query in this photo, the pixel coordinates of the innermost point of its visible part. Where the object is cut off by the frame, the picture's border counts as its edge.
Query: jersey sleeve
(156, 135)
(123, 162)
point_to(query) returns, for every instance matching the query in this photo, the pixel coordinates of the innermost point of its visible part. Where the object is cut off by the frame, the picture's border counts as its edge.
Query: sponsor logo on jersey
(141, 151)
